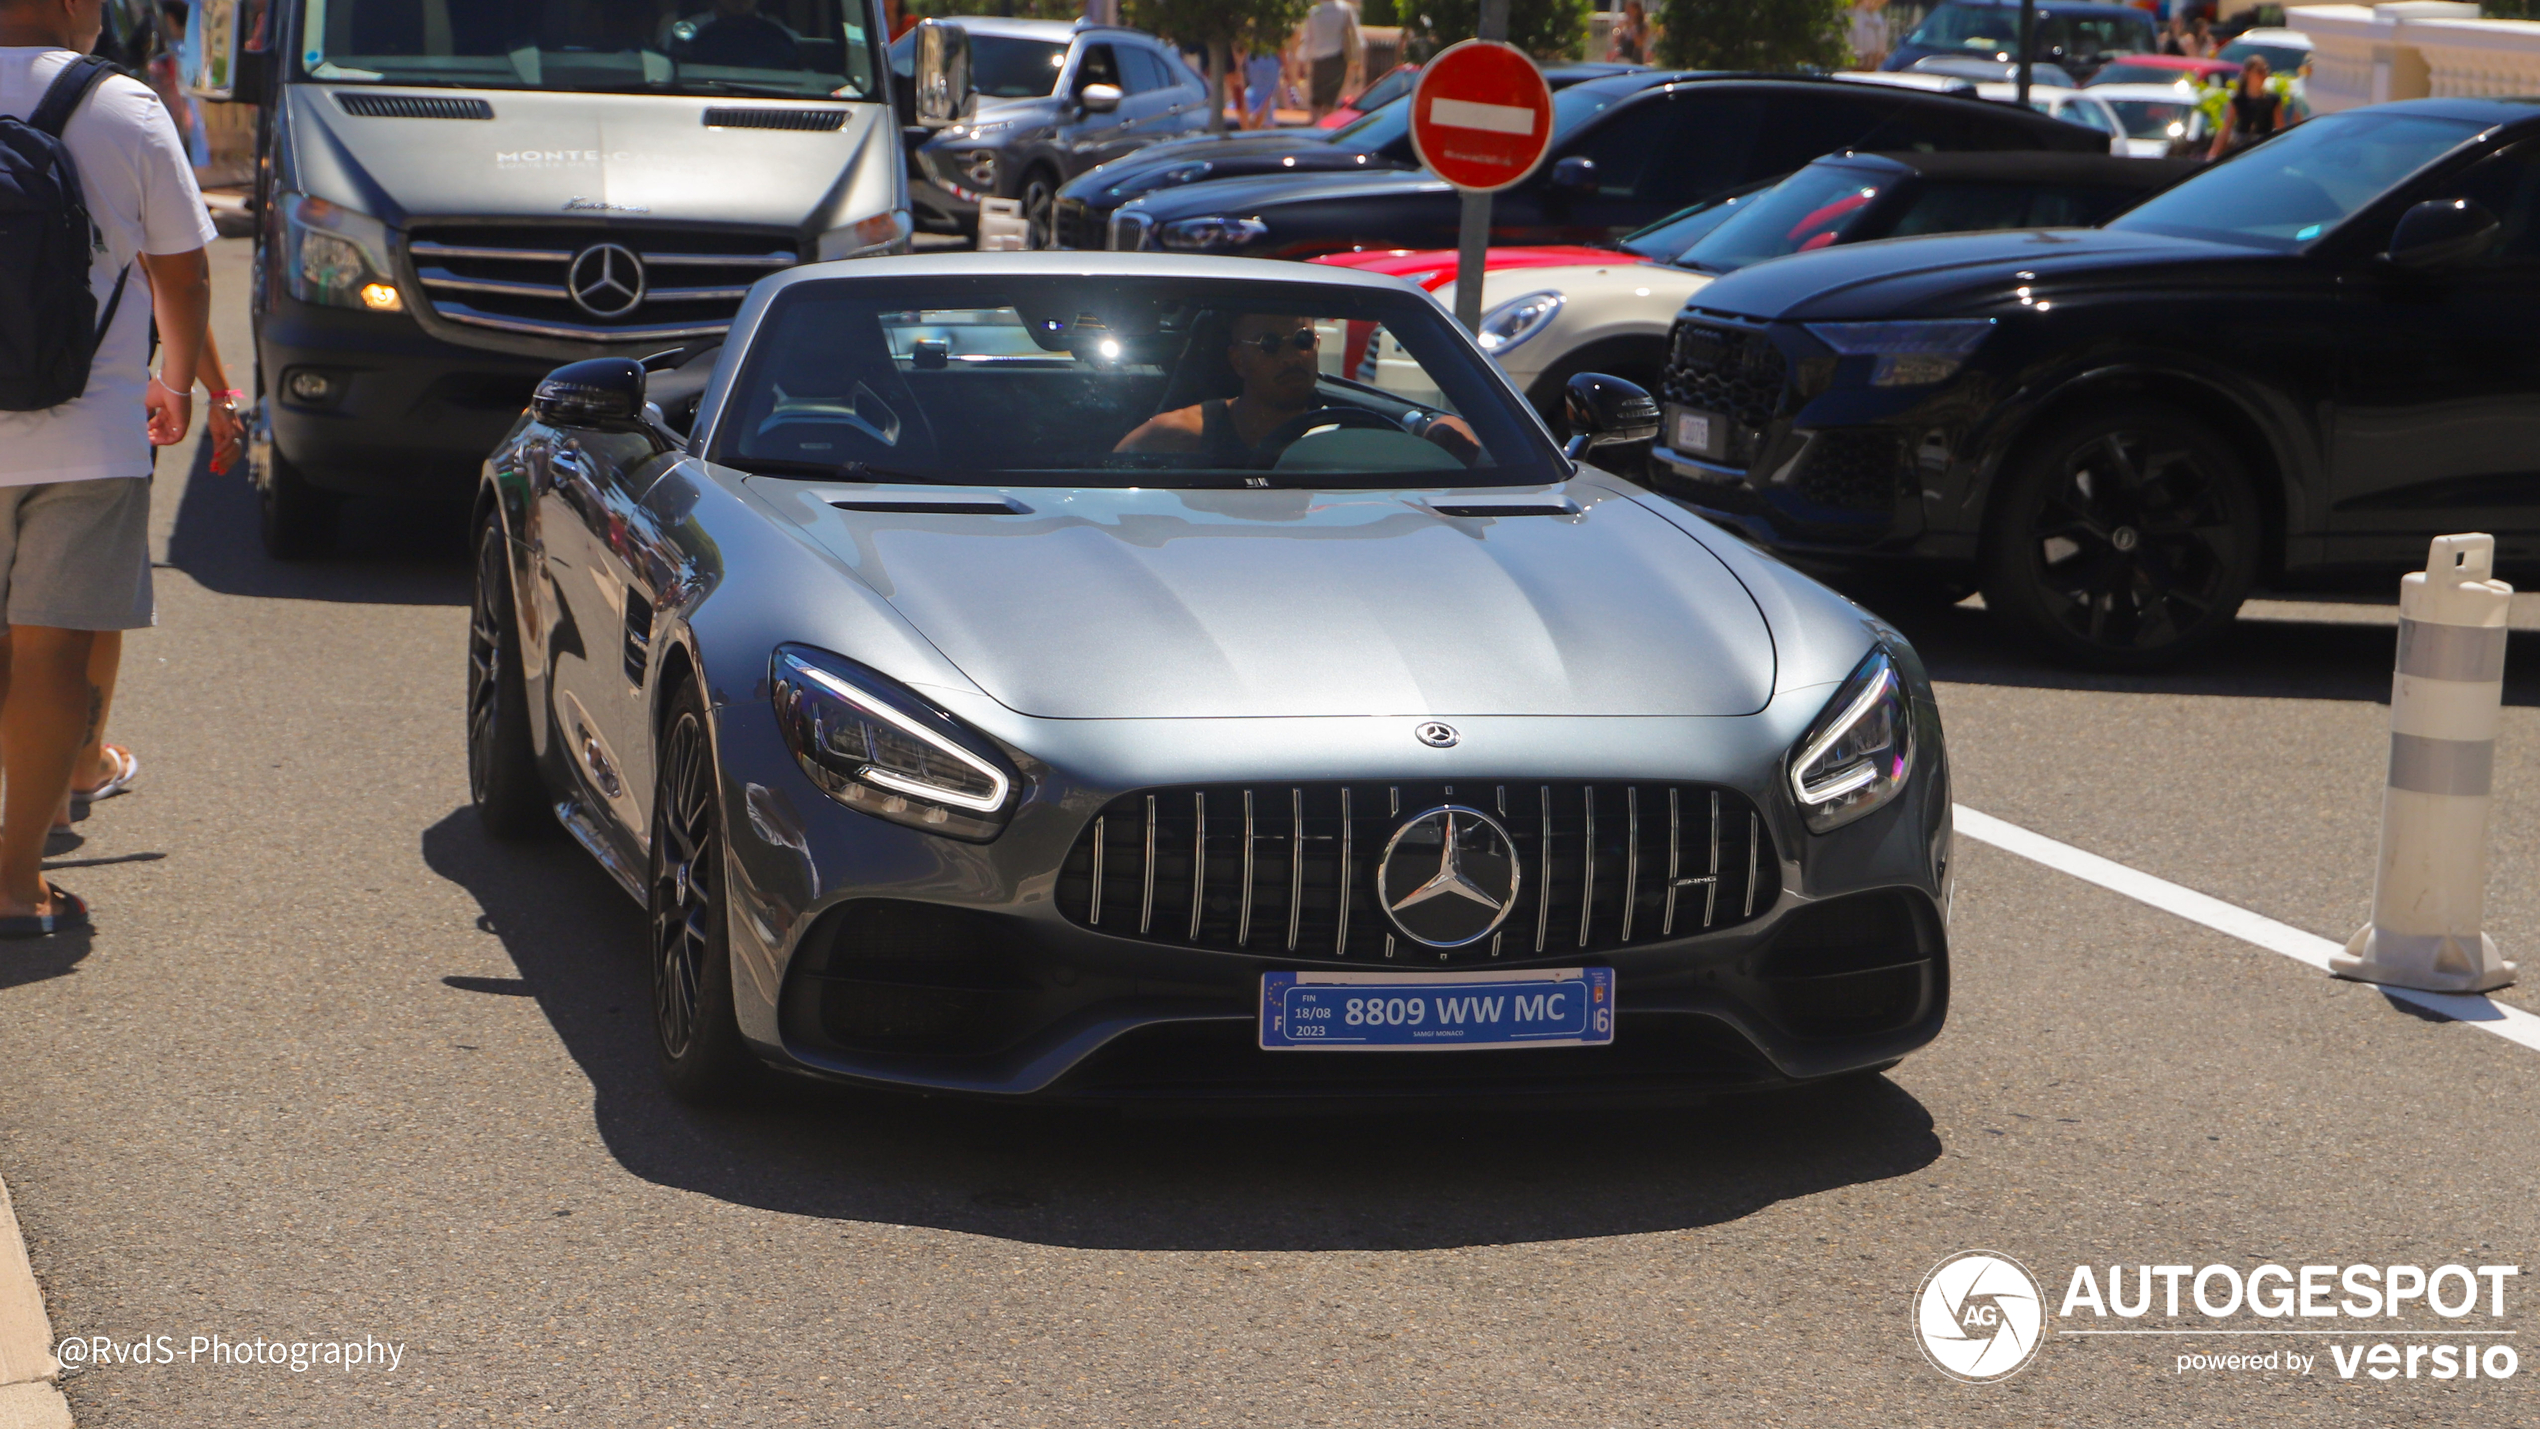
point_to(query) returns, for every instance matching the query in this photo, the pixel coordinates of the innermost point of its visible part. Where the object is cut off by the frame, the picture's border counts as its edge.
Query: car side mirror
(597, 392)
(1575, 174)
(1606, 412)
(1099, 98)
(2439, 233)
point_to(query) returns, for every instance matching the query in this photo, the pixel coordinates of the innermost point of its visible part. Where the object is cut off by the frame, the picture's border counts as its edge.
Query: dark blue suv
(2078, 37)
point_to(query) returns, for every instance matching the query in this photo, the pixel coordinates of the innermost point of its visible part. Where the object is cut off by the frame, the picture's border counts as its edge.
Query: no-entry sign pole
(1481, 119)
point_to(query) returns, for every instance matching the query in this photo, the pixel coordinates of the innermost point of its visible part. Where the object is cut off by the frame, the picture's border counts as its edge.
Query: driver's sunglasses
(1302, 340)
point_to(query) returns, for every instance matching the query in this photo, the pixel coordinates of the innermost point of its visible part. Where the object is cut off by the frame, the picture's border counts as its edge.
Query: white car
(2161, 115)
(2074, 106)
(2285, 51)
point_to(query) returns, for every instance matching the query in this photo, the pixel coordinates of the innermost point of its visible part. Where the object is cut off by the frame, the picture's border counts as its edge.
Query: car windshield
(1811, 209)
(1385, 91)
(1995, 29)
(1378, 128)
(1065, 380)
(2305, 181)
(793, 49)
(1007, 67)
(1671, 235)
(2154, 119)
(2283, 59)
(2129, 72)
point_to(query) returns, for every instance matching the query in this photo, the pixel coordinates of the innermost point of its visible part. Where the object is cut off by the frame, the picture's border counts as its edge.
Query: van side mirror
(1606, 412)
(1099, 98)
(2439, 233)
(1575, 174)
(596, 392)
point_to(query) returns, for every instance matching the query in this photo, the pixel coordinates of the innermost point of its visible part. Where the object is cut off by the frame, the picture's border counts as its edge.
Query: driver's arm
(1167, 432)
(1455, 435)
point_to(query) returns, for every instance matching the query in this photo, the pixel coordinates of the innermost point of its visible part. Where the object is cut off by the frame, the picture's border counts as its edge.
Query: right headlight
(876, 747)
(336, 257)
(1860, 751)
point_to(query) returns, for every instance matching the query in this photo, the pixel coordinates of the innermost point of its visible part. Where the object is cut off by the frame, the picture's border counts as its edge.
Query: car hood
(1923, 277)
(1241, 152)
(1160, 604)
(551, 153)
(1251, 195)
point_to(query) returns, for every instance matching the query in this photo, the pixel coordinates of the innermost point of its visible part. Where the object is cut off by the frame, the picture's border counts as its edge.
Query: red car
(1434, 268)
(2166, 69)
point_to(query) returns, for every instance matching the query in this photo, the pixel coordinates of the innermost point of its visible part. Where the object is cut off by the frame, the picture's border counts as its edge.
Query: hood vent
(814, 120)
(412, 106)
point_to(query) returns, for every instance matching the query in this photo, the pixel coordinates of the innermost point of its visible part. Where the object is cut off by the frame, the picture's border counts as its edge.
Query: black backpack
(49, 328)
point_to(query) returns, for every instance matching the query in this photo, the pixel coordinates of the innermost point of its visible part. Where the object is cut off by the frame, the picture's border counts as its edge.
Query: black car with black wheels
(2298, 364)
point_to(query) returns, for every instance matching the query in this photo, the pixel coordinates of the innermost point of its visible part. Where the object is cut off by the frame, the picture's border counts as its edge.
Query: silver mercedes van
(456, 196)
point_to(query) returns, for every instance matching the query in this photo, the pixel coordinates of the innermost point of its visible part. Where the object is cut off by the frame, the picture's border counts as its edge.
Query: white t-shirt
(140, 190)
(1330, 29)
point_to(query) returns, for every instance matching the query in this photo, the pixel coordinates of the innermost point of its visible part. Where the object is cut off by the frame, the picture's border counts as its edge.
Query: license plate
(1412, 1012)
(1692, 433)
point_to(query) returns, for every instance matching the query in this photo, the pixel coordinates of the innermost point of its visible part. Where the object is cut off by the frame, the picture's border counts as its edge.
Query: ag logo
(1978, 1316)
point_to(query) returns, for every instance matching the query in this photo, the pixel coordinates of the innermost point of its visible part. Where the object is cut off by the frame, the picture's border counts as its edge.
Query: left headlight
(876, 747)
(1910, 354)
(1213, 232)
(1860, 751)
(1514, 321)
(335, 256)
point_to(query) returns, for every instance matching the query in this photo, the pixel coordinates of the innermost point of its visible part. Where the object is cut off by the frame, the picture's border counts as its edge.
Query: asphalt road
(333, 1066)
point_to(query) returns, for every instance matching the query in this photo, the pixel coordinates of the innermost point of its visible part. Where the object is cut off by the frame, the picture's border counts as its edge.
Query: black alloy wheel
(2124, 540)
(1040, 209)
(502, 766)
(702, 1056)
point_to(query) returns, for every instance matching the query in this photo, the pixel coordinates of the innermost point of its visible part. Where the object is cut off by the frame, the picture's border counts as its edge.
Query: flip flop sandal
(127, 769)
(69, 915)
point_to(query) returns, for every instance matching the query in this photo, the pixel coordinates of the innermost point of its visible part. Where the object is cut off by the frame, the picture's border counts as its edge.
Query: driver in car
(1273, 356)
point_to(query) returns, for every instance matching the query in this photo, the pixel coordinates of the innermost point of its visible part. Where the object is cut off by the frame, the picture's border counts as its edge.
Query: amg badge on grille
(1448, 877)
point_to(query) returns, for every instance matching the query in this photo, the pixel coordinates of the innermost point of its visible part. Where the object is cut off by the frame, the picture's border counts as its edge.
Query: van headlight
(874, 746)
(1860, 751)
(1211, 233)
(1910, 354)
(336, 257)
(1514, 321)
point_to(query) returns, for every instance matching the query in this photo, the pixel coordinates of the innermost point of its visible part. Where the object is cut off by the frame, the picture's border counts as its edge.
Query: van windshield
(787, 49)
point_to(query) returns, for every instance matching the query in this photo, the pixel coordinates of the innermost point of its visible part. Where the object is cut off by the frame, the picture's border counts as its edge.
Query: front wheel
(1040, 209)
(702, 1056)
(502, 767)
(2124, 540)
(294, 518)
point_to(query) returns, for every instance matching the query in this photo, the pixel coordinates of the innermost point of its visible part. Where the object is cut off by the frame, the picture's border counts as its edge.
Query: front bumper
(870, 953)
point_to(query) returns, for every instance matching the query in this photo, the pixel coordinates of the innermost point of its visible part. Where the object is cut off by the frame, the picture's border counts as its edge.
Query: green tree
(1546, 29)
(1752, 34)
(1216, 27)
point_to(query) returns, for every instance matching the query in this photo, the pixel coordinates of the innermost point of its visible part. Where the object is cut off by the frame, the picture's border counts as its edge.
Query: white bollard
(1002, 227)
(2430, 892)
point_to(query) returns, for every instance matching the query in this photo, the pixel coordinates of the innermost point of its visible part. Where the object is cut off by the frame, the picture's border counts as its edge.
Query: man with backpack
(94, 185)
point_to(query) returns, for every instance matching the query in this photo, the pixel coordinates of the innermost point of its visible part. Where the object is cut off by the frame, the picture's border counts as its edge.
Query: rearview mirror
(1607, 412)
(1575, 174)
(597, 392)
(1099, 98)
(2441, 232)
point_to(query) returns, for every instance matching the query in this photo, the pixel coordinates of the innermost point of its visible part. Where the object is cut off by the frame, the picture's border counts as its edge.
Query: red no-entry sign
(1481, 116)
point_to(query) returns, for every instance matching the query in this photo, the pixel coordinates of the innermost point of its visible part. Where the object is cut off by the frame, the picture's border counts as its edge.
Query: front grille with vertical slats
(1289, 870)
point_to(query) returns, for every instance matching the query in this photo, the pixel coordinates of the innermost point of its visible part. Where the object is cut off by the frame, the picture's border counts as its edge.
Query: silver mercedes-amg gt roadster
(1122, 677)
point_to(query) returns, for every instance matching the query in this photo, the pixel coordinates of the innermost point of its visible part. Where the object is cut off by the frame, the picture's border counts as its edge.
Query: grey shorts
(1329, 73)
(75, 555)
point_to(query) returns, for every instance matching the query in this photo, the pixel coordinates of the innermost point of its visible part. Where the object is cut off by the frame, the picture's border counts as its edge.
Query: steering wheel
(1284, 435)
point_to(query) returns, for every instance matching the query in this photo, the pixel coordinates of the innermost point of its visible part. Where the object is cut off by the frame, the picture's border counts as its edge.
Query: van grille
(680, 284)
(1289, 870)
(412, 106)
(816, 120)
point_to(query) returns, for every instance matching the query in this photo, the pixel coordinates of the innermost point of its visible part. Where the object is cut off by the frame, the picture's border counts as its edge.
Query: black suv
(1626, 152)
(2305, 360)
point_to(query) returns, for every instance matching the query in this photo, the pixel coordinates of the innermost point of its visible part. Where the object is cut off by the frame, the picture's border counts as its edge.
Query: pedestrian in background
(1631, 38)
(1265, 73)
(2254, 111)
(1865, 31)
(1333, 51)
(2199, 42)
(75, 476)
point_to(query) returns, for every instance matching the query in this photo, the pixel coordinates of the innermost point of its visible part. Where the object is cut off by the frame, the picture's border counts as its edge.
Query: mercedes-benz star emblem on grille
(1436, 735)
(606, 280)
(1448, 877)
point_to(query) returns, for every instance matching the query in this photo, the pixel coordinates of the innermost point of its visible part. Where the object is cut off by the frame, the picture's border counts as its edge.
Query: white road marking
(2506, 1021)
(1491, 118)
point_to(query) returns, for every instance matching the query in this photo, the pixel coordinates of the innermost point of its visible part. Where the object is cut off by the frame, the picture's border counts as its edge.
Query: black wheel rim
(2134, 544)
(486, 641)
(684, 854)
(1038, 199)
